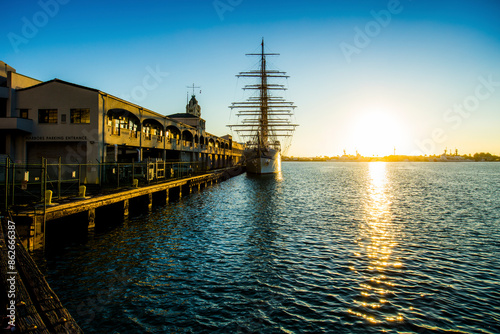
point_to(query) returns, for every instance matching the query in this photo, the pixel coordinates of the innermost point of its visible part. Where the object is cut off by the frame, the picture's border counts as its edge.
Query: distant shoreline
(377, 160)
(478, 157)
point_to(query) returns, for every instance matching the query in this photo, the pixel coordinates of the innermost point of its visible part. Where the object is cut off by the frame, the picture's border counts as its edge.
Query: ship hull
(267, 162)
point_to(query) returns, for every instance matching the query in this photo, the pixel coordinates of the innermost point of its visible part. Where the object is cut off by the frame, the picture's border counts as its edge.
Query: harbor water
(320, 248)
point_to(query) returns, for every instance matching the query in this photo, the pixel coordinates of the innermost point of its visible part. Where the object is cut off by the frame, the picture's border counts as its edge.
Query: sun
(376, 133)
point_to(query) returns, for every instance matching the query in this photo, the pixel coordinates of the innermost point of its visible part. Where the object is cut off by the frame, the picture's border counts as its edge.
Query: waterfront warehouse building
(61, 120)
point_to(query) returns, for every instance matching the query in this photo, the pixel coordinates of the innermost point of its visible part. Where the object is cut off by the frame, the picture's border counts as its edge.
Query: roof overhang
(16, 124)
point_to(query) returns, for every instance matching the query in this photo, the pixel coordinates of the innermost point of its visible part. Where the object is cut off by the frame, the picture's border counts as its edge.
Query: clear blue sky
(417, 75)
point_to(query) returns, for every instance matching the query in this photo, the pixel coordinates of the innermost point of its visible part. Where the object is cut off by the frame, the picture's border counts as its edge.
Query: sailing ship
(267, 118)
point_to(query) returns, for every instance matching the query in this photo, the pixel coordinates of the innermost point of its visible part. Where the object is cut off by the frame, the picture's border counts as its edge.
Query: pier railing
(29, 183)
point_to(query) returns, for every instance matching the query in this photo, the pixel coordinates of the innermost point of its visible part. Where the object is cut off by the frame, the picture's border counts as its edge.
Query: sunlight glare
(377, 133)
(377, 172)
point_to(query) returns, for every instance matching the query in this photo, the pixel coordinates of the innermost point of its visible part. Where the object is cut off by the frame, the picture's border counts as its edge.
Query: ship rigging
(265, 118)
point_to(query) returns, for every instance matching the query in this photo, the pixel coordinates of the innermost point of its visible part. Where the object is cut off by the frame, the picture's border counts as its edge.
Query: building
(76, 124)
(13, 127)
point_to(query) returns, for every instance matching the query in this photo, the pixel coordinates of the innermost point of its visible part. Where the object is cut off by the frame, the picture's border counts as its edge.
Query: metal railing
(27, 183)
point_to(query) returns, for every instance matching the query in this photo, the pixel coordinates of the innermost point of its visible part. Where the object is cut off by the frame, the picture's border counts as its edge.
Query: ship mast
(264, 132)
(262, 123)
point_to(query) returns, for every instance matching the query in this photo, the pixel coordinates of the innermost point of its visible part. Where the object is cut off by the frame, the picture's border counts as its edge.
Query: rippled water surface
(323, 247)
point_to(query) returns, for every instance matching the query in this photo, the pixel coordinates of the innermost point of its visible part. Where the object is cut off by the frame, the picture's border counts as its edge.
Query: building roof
(93, 90)
(4, 68)
(60, 81)
(182, 115)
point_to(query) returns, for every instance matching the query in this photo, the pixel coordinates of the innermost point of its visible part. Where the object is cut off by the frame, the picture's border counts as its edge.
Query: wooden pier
(37, 307)
(31, 223)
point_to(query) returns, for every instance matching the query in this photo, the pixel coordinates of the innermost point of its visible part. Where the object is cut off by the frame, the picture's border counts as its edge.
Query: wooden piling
(126, 208)
(91, 218)
(150, 202)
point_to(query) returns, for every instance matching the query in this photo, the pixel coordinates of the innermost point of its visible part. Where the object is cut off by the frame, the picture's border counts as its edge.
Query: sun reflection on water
(374, 259)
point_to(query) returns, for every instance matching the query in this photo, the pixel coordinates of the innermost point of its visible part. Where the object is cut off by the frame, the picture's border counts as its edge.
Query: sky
(414, 76)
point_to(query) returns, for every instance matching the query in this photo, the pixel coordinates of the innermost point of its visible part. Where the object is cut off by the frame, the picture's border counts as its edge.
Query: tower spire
(193, 87)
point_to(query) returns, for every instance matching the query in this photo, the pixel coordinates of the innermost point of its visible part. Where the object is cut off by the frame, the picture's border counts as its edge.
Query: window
(80, 116)
(48, 116)
(147, 132)
(123, 123)
(133, 129)
(116, 127)
(158, 133)
(23, 113)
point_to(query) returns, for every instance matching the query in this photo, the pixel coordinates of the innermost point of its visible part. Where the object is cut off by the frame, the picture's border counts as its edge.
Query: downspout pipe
(103, 95)
(103, 142)
(140, 136)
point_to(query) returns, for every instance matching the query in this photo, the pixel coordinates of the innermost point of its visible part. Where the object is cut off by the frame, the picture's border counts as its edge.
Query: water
(323, 247)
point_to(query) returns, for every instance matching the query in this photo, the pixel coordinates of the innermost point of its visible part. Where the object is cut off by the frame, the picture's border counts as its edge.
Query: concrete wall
(12, 138)
(63, 97)
(17, 81)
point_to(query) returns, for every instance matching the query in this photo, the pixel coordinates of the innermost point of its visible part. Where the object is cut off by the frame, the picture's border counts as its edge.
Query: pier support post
(167, 193)
(91, 219)
(150, 202)
(125, 208)
(91, 223)
(30, 231)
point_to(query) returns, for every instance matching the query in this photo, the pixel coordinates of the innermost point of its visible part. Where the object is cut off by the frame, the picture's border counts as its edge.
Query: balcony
(187, 145)
(16, 124)
(171, 144)
(122, 136)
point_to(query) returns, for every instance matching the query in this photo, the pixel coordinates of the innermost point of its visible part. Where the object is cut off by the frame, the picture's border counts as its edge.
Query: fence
(27, 183)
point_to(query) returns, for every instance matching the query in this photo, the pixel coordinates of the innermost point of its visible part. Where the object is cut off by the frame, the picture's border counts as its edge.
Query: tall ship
(265, 119)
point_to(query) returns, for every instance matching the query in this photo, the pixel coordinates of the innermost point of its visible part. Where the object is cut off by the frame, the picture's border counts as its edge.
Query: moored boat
(266, 118)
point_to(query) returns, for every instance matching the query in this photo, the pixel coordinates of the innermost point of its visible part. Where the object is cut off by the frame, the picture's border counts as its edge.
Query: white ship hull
(267, 162)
